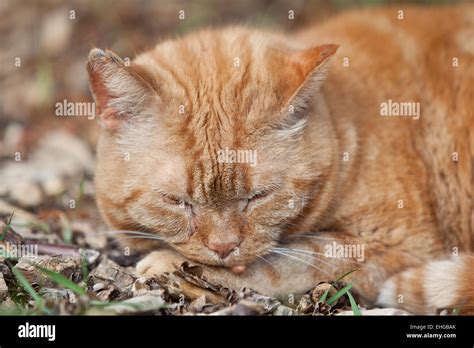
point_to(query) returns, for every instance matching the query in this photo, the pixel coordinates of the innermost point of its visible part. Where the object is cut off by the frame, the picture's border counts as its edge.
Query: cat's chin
(234, 266)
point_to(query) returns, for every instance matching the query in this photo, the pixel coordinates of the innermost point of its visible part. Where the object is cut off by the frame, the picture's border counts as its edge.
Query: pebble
(98, 286)
(151, 301)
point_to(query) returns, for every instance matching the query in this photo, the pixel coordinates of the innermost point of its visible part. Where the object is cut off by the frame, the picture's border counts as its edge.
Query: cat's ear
(311, 65)
(120, 93)
(305, 72)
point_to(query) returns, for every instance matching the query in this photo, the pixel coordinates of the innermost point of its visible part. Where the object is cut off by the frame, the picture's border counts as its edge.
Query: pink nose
(222, 249)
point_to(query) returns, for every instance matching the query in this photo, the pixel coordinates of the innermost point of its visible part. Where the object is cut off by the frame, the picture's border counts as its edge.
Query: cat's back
(417, 54)
(416, 45)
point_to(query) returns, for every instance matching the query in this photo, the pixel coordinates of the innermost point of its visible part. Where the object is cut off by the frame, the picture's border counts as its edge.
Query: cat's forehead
(226, 50)
(226, 71)
(214, 85)
(211, 182)
(218, 155)
(205, 159)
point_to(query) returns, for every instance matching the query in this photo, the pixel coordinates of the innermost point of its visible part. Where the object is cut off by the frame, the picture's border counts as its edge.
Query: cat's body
(330, 170)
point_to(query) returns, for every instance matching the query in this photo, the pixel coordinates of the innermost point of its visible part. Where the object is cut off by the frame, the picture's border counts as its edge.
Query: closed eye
(257, 196)
(172, 200)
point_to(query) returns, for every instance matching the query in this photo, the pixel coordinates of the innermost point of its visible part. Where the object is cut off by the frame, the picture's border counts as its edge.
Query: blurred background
(46, 161)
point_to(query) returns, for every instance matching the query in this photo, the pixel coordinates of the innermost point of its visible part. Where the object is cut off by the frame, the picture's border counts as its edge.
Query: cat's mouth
(237, 260)
(236, 265)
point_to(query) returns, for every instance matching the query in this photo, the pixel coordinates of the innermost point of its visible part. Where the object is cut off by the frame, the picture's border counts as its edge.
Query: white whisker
(301, 260)
(138, 237)
(308, 254)
(370, 246)
(301, 250)
(318, 237)
(129, 232)
(346, 259)
(264, 259)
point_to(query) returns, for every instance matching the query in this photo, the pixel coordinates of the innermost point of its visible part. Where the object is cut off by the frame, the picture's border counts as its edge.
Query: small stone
(110, 272)
(284, 311)
(143, 285)
(149, 302)
(98, 287)
(305, 306)
(107, 293)
(70, 267)
(248, 307)
(319, 291)
(56, 295)
(90, 255)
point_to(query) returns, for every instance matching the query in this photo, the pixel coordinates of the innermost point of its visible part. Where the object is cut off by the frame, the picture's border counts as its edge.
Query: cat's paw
(162, 261)
(159, 262)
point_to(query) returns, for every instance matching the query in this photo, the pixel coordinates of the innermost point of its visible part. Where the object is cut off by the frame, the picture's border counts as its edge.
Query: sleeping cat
(361, 132)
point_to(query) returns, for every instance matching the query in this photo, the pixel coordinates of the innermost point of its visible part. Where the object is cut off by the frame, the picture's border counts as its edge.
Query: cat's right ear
(120, 93)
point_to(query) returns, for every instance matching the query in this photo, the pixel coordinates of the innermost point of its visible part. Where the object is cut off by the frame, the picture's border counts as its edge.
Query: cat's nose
(222, 249)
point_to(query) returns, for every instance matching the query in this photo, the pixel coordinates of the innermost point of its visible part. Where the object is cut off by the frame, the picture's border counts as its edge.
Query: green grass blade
(345, 274)
(29, 289)
(456, 310)
(7, 227)
(354, 306)
(326, 293)
(66, 229)
(324, 296)
(62, 280)
(340, 293)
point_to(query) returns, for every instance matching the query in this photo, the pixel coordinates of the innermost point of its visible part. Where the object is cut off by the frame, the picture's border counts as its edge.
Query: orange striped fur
(329, 169)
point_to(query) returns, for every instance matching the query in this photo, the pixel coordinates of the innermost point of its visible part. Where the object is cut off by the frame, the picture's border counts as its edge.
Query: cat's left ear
(121, 94)
(310, 66)
(304, 72)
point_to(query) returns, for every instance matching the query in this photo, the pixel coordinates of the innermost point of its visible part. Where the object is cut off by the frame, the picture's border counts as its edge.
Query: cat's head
(212, 142)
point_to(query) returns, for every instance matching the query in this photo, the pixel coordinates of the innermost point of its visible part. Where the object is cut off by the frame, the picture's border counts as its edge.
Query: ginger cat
(362, 136)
